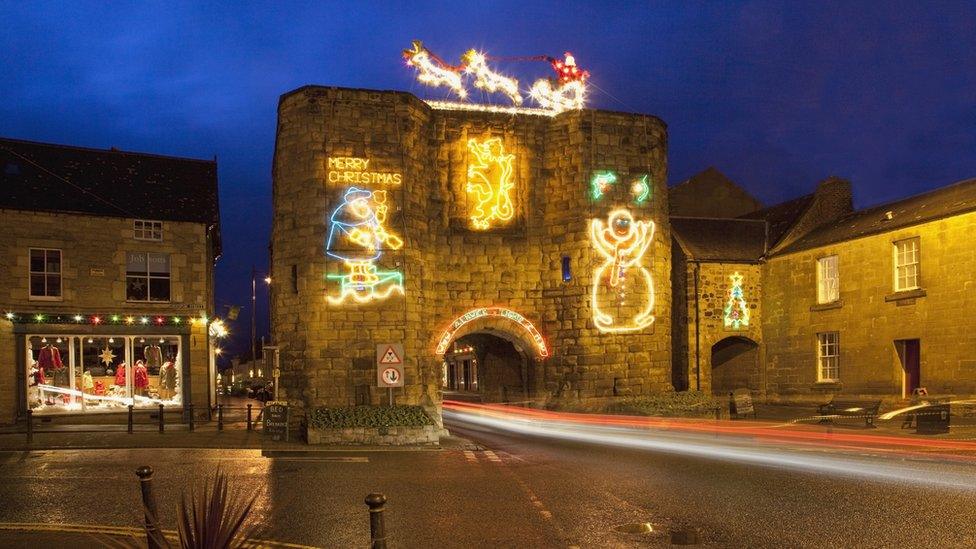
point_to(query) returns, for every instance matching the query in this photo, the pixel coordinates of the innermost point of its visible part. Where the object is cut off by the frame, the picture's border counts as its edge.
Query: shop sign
(276, 420)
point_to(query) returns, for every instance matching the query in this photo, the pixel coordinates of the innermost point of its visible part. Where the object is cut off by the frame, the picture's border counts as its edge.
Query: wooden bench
(849, 408)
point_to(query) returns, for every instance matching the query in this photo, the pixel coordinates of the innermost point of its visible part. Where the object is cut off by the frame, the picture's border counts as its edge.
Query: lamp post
(254, 300)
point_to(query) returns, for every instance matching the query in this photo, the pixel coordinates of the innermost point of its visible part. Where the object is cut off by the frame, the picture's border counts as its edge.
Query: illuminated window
(907, 268)
(147, 230)
(828, 356)
(45, 274)
(828, 280)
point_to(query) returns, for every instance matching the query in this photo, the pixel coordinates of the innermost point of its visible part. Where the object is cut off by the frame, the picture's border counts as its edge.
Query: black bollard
(377, 530)
(30, 425)
(160, 418)
(129, 425)
(249, 427)
(220, 417)
(732, 410)
(153, 532)
(189, 410)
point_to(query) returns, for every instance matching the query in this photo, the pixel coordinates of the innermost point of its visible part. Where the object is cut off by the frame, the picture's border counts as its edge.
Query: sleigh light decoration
(564, 92)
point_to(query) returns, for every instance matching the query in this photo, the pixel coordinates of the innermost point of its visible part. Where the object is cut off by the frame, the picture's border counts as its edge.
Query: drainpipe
(697, 332)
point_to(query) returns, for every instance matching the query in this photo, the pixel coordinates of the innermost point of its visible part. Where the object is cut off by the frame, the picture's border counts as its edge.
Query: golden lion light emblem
(490, 183)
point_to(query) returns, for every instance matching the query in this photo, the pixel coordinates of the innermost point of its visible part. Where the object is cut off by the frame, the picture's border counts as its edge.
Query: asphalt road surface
(513, 489)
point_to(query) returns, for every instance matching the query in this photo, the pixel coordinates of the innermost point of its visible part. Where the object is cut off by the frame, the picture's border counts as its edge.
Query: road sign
(389, 365)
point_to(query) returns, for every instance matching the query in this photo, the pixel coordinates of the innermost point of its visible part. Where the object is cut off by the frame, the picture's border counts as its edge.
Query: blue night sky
(775, 95)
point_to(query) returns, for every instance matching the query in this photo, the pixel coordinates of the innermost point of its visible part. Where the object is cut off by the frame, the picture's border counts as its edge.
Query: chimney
(833, 199)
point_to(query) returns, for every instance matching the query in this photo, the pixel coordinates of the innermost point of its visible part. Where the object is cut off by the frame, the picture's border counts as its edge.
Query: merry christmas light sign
(564, 92)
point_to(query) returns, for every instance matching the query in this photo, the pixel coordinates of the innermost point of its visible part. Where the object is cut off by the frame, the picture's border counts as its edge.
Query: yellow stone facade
(93, 252)
(450, 267)
(870, 317)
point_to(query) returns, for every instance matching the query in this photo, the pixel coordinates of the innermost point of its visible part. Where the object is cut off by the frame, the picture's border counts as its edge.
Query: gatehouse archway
(492, 354)
(735, 365)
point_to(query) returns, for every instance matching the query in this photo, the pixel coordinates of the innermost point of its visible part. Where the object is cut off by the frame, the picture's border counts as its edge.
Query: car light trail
(728, 442)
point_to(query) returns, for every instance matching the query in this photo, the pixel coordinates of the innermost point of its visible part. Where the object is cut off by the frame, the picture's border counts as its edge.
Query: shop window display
(102, 373)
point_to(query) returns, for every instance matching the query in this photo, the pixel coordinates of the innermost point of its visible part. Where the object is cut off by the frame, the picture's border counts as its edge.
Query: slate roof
(712, 239)
(60, 178)
(782, 217)
(954, 199)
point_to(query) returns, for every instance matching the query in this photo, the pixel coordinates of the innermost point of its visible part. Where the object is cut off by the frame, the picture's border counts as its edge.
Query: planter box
(426, 435)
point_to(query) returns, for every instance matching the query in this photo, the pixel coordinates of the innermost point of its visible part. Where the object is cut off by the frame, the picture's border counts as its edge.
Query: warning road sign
(389, 365)
(390, 356)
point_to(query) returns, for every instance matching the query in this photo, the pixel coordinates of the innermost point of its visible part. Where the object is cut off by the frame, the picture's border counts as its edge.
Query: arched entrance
(735, 365)
(492, 354)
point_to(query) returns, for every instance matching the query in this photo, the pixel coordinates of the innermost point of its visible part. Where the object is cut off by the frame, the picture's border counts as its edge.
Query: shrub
(369, 416)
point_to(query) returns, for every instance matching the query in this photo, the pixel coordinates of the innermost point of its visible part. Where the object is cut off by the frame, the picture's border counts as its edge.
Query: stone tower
(397, 222)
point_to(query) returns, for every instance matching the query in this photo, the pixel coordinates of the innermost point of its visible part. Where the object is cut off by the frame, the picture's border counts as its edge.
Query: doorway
(910, 354)
(735, 365)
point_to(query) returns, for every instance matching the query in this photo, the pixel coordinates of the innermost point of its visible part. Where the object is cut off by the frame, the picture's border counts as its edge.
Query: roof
(713, 239)
(710, 193)
(782, 217)
(60, 178)
(954, 199)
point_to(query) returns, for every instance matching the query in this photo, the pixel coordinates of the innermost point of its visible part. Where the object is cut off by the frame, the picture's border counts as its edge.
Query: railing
(224, 415)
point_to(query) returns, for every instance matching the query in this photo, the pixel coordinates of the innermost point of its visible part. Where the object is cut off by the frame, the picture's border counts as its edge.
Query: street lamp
(254, 300)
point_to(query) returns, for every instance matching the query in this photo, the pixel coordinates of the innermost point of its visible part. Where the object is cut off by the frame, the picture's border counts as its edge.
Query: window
(147, 230)
(907, 268)
(828, 280)
(147, 277)
(45, 274)
(828, 356)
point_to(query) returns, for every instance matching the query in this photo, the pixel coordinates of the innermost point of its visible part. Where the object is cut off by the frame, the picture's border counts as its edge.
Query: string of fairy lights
(215, 325)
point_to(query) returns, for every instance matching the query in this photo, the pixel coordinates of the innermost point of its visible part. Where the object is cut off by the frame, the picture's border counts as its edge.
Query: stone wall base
(427, 435)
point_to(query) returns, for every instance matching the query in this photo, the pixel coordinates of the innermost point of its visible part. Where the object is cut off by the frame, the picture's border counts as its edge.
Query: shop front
(91, 367)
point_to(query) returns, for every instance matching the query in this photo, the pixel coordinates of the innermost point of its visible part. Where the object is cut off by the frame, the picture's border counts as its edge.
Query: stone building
(106, 273)
(542, 241)
(522, 255)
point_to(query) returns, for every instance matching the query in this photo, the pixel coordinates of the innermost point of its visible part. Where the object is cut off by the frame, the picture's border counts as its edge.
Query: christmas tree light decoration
(475, 63)
(600, 184)
(491, 194)
(641, 189)
(566, 96)
(622, 242)
(358, 236)
(540, 343)
(433, 71)
(736, 309)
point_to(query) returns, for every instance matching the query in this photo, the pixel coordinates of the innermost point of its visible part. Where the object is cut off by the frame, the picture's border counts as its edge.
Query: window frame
(149, 277)
(917, 263)
(822, 294)
(822, 342)
(147, 226)
(45, 273)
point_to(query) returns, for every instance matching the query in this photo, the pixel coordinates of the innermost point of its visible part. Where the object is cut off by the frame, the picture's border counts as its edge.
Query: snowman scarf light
(622, 296)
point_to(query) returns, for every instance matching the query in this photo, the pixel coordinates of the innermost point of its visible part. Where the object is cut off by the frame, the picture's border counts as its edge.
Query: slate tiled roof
(782, 217)
(59, 178)
(954, 199)
(711, 239)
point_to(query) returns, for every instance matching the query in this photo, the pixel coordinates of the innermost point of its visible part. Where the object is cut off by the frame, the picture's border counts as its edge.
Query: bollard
(718, 413)
(30, 425)
(249, 417)
(153, 532)
(377, 531)
(189, 410)
(732, 410)
(220, 417)
(129, 424)
(160, 418)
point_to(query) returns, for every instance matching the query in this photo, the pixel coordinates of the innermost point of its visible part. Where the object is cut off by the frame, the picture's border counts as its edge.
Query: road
(518, 489)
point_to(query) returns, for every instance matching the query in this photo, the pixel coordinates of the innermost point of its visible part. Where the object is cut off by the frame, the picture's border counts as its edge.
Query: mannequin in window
(49, 358)
(120, 374)
(154, 357)
(167, 380)
(140, 378)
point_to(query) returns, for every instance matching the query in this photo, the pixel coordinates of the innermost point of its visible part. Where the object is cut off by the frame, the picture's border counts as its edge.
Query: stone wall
(869, 317)
(713, 294)
(448, 268)
(93, 252)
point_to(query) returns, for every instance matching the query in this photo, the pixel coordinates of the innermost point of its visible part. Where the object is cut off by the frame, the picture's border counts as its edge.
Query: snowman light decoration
(622, 296)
